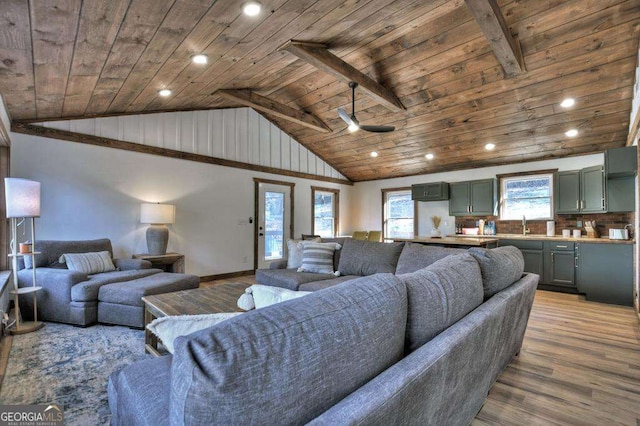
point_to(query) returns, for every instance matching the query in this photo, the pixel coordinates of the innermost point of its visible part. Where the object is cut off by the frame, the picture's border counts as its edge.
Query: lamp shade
(22, 197)
(157, 213)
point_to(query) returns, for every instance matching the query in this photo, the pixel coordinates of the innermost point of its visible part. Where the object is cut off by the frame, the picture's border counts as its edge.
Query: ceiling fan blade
(345, 117)
(377, 129)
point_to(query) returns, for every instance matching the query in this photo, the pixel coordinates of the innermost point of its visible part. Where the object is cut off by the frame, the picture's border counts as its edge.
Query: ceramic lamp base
(157, 239)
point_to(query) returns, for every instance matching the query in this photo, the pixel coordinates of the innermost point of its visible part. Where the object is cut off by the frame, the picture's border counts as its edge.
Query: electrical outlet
(579, 224)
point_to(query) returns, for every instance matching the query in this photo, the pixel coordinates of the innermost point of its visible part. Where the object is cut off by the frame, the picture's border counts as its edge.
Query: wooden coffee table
(208, 300)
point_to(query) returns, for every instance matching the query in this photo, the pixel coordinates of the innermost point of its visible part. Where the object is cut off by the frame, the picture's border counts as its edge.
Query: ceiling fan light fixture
(353, 127)
(429, 156)
(568, 103)
(572, 133)
(200, 59)
(252, 8)
(164, 92)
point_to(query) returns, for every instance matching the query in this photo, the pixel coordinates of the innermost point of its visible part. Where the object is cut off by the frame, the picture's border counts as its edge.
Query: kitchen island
(452, 241)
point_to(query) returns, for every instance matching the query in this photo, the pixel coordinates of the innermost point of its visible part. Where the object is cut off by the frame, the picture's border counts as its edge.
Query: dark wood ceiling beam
(260, 103)
(493, 25)
(319, 56)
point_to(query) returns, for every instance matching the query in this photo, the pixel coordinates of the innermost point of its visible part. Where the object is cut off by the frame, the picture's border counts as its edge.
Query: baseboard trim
(208, 278)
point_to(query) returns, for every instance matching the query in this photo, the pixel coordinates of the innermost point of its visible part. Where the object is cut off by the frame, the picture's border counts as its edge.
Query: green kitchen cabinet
(473, 198)
(605, 272)
(580, 191)
(621, 162)
(620, 168)
(437, 191)
(560, 264)
(532, 252)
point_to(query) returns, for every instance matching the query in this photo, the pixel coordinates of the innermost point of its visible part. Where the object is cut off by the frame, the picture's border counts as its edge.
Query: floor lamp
(22, 198)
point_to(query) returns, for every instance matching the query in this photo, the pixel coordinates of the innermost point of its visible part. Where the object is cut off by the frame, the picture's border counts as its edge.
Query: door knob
(261, 234)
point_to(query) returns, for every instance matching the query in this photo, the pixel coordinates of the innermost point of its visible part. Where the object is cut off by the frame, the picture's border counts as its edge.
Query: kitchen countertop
(583, 239)
(453, 240)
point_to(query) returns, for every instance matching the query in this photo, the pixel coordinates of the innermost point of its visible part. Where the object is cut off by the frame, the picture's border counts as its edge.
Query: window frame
(336, 208)
(385, 195)
(502, 179)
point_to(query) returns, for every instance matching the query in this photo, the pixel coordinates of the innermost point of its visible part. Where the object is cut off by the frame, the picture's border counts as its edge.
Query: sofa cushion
(418, 256)
(290, 362)
(287, 278)
(87, 291)
(139, 393)
(319, 285)
(89, 263)
(336, 255)
(51, 250)
(318, 257)
(500, 267)
(440, 295)
(368, 257)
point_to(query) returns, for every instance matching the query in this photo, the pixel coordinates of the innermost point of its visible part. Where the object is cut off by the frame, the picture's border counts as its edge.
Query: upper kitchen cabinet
(580, 191)
(621, 166)
(473, 198)
(621, 162)
(437, 191)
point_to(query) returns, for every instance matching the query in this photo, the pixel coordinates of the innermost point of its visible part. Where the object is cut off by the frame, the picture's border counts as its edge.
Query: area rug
(70, 366)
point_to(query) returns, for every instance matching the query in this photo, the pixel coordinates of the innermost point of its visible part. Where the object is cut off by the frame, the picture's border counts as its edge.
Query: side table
(170, 262)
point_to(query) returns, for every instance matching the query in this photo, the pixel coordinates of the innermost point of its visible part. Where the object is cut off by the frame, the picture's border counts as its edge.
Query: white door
(274, 222)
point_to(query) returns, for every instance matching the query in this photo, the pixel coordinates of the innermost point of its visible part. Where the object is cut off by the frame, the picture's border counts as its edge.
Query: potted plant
(435, 232)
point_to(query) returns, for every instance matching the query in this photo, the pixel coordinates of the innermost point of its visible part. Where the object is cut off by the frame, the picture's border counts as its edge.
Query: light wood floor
(579, 365)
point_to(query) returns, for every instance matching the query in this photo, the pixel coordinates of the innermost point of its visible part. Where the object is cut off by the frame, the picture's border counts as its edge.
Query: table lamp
(158, 215)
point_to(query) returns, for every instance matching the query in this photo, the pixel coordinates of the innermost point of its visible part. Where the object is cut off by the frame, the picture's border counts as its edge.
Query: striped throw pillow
(89, 263)
(318, 257)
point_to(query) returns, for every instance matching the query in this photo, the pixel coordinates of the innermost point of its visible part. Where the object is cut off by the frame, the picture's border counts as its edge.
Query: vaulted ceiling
(73, 58)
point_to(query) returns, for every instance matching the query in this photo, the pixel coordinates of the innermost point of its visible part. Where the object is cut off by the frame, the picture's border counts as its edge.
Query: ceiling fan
(352, 121)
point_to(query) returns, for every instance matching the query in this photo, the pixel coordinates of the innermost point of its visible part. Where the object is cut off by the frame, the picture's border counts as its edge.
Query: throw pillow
(168, 328)
(318, 257)
(89, 263)
(259, 296)
(500, 267)
(294, 252)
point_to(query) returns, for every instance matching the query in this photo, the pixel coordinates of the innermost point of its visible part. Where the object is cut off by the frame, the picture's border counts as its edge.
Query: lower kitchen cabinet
(605, 272)
(533, 254)
(560, 264)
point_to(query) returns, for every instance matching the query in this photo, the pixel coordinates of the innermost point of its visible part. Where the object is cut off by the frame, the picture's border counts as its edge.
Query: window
(398, 212)
(325, 202)
(530, 196)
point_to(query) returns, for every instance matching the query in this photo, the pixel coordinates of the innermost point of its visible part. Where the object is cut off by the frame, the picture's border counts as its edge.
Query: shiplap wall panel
(238, 134)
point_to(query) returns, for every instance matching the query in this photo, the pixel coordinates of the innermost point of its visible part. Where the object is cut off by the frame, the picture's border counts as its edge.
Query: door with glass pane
(274, 222)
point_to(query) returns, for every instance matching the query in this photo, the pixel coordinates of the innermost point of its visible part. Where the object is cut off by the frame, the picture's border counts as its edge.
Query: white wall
(93, 192)
(369, 193)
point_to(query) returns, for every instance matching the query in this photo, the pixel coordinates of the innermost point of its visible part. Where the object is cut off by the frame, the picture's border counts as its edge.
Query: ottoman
(121, 303)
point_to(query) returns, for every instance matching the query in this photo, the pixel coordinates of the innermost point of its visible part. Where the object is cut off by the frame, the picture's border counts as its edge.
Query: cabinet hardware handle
(602, 203)
(581, 204)
(577, 204)
(576, 261)
(559, 246)
(553, 259)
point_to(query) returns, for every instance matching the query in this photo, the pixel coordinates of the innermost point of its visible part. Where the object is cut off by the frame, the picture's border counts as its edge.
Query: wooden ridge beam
(319, 56)
(505, 46)
(255, 101)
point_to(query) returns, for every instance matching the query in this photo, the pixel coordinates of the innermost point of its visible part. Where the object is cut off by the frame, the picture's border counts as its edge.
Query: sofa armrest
(58, 281)
(278, 264)
(131, 264)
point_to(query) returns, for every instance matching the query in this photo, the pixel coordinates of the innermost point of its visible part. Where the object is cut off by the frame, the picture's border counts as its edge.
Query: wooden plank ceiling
(73, 58)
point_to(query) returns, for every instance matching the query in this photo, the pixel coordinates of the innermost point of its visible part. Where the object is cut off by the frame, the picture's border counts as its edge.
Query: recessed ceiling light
(353, 127)
(429, 156)
(374, 154)
(164, 92)
(200, 59)
(571, 133)
(569, 102)
(489, 146)
(252, 8)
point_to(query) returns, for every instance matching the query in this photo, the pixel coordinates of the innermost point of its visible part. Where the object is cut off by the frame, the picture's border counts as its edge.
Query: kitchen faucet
(525, 230)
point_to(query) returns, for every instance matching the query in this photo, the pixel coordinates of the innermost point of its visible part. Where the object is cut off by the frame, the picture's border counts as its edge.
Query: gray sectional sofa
(113, 297)
(419, 348)
(356, 259)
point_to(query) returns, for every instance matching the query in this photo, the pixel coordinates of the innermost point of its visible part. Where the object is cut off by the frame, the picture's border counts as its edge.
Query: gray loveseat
(110, 297)
(420, 348)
